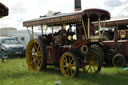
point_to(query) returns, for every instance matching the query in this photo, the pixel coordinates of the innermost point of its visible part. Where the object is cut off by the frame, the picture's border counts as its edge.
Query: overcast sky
(21, 10)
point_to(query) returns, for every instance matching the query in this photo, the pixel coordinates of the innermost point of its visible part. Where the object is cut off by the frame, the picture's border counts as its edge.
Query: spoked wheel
(34, 55)
(92, 62)
(69, 64)
(119, 60)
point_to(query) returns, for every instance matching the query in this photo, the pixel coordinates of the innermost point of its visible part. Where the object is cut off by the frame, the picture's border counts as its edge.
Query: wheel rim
(91, 63)
(34, 56)
(68, 65)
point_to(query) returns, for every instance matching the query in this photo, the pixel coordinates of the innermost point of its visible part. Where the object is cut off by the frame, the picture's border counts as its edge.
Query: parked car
(11, 47)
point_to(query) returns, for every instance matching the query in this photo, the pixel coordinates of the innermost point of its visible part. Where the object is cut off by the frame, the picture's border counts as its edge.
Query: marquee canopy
(93, 14)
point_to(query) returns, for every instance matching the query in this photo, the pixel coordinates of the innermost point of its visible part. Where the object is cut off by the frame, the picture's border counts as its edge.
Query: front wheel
(34, 55)
(92, 62)
(69, 65)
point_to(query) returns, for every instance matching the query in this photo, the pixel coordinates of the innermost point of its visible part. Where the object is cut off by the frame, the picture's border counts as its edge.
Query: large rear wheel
(69, 64)
(34, 56)
(92, 62)
(99, 50)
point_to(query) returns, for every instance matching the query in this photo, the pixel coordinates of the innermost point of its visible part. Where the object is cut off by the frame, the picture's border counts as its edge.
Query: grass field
(15, 72)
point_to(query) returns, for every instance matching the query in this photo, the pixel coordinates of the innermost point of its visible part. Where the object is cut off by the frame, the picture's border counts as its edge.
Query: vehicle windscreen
(10, 41)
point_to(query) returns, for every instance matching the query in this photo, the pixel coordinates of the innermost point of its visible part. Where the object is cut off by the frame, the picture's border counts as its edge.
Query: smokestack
(77, 5)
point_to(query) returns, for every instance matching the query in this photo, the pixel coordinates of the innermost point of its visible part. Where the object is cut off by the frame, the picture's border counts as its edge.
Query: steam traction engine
(116, 42)
(68, 41)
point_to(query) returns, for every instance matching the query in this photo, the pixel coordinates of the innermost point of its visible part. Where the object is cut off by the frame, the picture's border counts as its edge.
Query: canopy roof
(3, 10)
(123, 20)
(93, 14)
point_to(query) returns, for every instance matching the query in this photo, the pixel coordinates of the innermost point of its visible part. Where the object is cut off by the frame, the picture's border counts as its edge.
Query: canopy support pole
(29, 33)
(84, 29)
(42, 29)
(99, 27)
(32, 33)
(52, 30)
(103, 28)
(88, 28)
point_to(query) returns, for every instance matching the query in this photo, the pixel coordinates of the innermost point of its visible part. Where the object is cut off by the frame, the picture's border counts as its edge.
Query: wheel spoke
(94, 67)
(67, 71)
(35, 46)
(32, 61)
(69, 58)
(35, 61)
(38, 50)
(39, 62)
(32, 57)
(89, 68)
(34, 64)
(71, 61)
(72, 71)
(83, 67)
(66, 61)
(65, 66)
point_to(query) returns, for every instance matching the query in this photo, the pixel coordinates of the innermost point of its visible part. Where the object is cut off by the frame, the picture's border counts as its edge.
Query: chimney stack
(77, 5)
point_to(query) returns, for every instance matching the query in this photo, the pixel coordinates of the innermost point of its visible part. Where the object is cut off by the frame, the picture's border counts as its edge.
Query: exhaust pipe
(77, 5)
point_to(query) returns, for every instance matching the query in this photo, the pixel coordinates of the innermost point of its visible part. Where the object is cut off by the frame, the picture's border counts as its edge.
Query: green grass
(16, 72)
